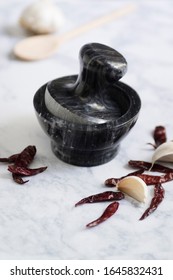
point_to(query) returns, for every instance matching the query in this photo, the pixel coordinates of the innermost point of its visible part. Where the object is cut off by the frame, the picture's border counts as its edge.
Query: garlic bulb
(42, 17)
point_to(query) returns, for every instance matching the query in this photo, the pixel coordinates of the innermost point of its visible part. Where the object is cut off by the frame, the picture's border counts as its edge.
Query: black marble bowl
(87, 115)
(89, 144)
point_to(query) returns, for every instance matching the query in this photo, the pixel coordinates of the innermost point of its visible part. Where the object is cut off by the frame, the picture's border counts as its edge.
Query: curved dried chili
(21, 161)
(159, 136)
(101, 197)
(112, 182)
(24, 171)
(148, 179)
(18, 179)
(147, 165)
(10, 159)
(26, 156)
(152, 180)
(159, 193)
(109, 211)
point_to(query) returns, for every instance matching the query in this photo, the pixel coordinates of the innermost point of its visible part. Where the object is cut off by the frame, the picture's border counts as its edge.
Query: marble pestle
(86, 100)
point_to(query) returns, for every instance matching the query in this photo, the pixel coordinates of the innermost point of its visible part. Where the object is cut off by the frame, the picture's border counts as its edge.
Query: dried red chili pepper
(10, 159)
(112, 182)
(100, 197)
(148, 179)
(24, 171)
(159, 190)
(159, 193)
(159, 136)
(22, 159)
(26, 156)
(18, 179)
(109, 211)
(20, 164)
(147, 165)
(152, 180)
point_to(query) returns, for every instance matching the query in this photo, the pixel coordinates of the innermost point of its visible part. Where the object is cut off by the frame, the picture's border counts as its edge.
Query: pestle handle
(100, 66)
(87, 98)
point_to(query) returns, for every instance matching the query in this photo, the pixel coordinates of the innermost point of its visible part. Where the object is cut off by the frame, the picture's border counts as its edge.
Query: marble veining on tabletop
(38, 220)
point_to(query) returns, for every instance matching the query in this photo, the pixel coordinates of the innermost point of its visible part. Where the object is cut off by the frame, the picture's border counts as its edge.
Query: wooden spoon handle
(97, 23)
(42, 46)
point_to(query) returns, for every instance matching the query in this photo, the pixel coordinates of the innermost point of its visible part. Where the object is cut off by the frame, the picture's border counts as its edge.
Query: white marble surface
(38, 220)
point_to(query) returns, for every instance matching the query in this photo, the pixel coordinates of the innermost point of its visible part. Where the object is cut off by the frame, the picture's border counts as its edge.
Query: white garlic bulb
(42, 17)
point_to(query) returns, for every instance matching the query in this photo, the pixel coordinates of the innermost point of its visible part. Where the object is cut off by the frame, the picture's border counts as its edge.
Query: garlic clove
(163, 153)
(134, 187)
(42, 17)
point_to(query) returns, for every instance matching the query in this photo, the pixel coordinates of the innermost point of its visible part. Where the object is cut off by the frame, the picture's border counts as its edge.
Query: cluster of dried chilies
(18, 164)
(159, 136)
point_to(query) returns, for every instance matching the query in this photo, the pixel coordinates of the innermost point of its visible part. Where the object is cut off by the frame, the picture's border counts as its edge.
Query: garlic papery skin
(163, 153)
(135, 187)
(42, 17)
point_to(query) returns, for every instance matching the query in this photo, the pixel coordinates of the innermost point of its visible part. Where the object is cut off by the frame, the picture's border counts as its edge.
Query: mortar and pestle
(86, 116)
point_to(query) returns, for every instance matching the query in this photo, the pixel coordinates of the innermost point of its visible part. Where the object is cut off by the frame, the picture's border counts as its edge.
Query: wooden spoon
(42, 46)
